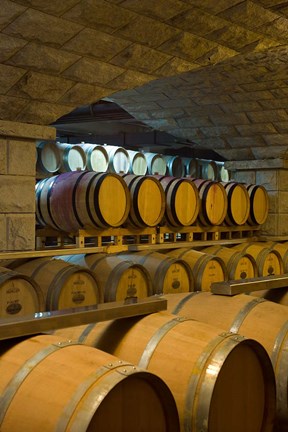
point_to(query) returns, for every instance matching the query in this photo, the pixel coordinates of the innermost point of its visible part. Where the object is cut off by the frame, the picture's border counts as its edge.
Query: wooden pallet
(197, 232)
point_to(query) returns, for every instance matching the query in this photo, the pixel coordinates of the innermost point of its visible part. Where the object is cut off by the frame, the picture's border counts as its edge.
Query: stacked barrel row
(69, 281)
(75, 200)
(62, 157)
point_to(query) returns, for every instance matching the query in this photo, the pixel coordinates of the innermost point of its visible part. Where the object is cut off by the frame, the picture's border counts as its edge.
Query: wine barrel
(168, 274)
(182, 200)
(268, 261)
(119, 161)
(282, 248)
(213, 202)
(238, 203)
(19, 295)
(147, 200)
(97, 157)
(156, 163)
(239, 265)
(224, 175)
(48, 158)
(73, 157)
(275, 295)
(191, 167)
(205, 268)
(208, 169)
(75, 200)
(259, 204)
(138, 164)
(253, 317)
(63, 285)
(118, 279)
(175, 167)
(204, 368)
(51, 384)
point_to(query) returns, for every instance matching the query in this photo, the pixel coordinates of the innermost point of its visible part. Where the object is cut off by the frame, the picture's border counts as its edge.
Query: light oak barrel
(168, 274)
(118, 279)
(48, 158)
(119, 161)
(208, 169)
(182, 200)
(238, 209)
(63, 285)
(191, 167)
(138, 164)
(213, 202)
(51, 384)
(97, 157)
(268, 261)
(73, 157)
(175, 166)
(252, 317)
(205, 368)
(147, 201)
(239, 265)
(259, 204)
(156, 163)
(75, 200)
(205, 267)
(19, 295)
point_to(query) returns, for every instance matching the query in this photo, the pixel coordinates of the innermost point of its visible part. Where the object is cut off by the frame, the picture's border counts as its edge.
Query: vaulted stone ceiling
(212, 73)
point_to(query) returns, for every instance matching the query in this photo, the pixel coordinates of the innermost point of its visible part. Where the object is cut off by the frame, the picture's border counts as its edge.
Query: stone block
(268, 179)
(273, 201)
(43, 58)
(267, 116)
(9, 45)
(130, 79)
(282, 127)
(17, 194)
(22, 130)
(220, 131)
(269, 152)
(194, 121)
(9, 75)
(239, 142)
(35, 85)
(274, 103)
(254, 129)
(229, 119)
(233, 154)
(93, 71)
(100, 15)
(9, 11)
(96, 44)
(3, 233)
(201, 22)
(43, 113)
(282, 224)
(252, 96)
(270, 227)
(248, 176)
(249, 15)
(162, 9)
(233, 36)
(20, 232)
(235, 107)
(176, 66)
(139, 57)
(21, 158)
(3, 156)
(50, 7)
(81, 94)
(40, 27)
(274, 139)
(148, 32)
(11, 107)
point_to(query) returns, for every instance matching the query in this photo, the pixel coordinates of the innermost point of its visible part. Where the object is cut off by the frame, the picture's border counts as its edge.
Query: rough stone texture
(21, 130)
(20, 232)
(268, 179)
(21, 158)
(17, 194)
(283, 202)
(3, 233)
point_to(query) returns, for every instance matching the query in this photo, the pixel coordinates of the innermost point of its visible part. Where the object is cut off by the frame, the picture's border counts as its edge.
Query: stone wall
(17, 183)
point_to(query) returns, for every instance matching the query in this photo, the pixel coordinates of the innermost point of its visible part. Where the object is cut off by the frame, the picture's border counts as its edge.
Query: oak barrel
(19, 294)
(259, 204)
(191, 167)
(175, 166)
(73, 157)
(48, 158)
(119, 161)
(223, 173)
(147, 200)
(75, 200)
(182, 200)
(155, 163)
(168, 274)
(138, 164)
(205, 368)
(213, 202)
(238, 203)
(97, 157)
(118, 279)
(252, 317)
(63, 285)
(51, 384)
(239, 265)
(268, 261)
(205, 267)
(208, 169)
